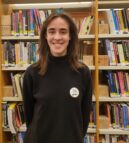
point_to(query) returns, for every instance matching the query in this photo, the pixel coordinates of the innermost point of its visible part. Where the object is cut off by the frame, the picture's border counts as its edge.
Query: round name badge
(74, 92)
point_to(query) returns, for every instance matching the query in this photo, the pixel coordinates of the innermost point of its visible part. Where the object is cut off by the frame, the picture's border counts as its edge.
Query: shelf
(114, 67)
(6, 129)
(91, 67)
(92, 36)
(11, 99)
(113, 3)
(20, 38)
(114, 131)
(14, 68)
(23, 129)
(43, 2)
(23, 68)
(91, 130)
(54, 5)
(86, 36)
(37, 37)
(115, 99)
(113, 36)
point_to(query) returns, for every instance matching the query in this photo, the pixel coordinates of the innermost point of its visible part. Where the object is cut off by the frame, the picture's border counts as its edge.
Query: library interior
(103, 33)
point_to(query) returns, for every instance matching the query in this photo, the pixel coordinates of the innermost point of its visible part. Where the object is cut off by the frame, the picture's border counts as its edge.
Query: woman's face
(58, 36)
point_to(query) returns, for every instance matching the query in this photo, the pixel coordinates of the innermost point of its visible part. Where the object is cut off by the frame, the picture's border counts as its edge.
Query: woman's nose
(57, 35)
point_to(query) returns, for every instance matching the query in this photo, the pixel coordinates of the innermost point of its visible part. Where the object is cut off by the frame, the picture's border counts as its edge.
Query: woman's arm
(28, 99)
(87, 99)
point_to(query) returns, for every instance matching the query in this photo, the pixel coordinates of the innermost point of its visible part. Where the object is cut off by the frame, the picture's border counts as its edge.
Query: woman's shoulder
(31, 69)
(84, 69)
(85, 74)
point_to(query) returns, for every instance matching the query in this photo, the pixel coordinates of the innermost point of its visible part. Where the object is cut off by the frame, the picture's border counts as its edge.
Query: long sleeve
(87, 99)
(28, 99)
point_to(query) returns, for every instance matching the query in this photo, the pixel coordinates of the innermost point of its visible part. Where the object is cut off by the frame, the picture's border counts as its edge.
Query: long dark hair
(72, 50)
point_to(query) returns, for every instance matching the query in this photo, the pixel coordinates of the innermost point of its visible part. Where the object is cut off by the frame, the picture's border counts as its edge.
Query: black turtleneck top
(57, 105)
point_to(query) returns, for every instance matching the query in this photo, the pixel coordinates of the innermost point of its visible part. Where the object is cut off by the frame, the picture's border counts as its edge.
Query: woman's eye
(63, 32)
(51, 32)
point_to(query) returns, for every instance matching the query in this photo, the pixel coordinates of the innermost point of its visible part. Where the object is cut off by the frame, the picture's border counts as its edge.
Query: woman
(57, 91)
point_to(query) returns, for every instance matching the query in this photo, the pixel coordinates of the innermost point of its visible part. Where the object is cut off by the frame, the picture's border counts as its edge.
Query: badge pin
(74, 92)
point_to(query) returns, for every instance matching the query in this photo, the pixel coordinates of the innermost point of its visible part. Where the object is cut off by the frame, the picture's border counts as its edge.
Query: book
(18, 87)
(11, 118)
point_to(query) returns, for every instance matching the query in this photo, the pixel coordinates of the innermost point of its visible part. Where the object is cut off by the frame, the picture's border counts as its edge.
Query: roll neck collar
(58, 59)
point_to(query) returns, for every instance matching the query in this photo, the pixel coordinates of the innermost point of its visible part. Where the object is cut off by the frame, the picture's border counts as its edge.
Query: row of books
(117, 51)
(118, 20)
(112, 115)
(114, 138)
(13, 116)
(86, 25)
(118, 83)
(116, 115)
(28, 22)
(25, 53)
(14, 89)
(21, 53)
(17, 84)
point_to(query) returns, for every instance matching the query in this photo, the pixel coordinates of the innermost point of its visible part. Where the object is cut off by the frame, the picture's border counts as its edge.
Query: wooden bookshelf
(103, 6)
(89, 5)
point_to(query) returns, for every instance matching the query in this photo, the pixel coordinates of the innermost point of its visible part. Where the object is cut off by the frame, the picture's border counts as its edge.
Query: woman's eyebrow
(49, 29)
(64, 29)
(61, 29)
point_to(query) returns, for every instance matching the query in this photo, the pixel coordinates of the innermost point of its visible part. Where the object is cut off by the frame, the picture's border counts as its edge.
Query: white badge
(74, 92)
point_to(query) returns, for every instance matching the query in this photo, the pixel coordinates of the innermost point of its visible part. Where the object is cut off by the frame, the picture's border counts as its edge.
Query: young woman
(57, 90)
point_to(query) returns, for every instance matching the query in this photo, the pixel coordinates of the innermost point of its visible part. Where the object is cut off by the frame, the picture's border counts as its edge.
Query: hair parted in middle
(72, 49)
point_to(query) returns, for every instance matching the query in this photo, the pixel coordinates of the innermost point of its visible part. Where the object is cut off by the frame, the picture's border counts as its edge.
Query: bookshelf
(88, 6)
(103, 7)
(95, 7)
